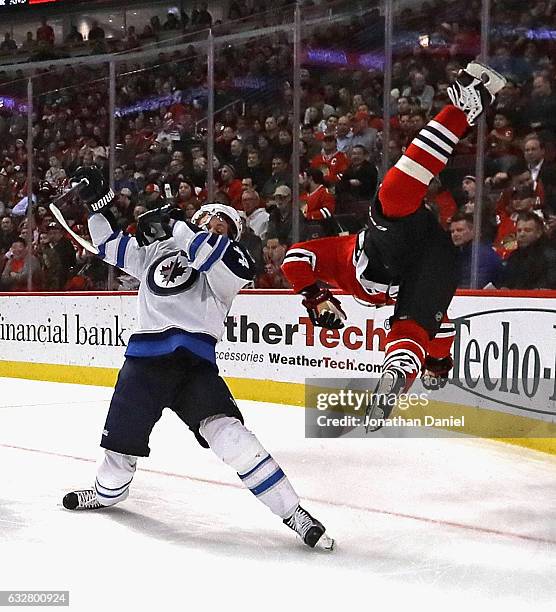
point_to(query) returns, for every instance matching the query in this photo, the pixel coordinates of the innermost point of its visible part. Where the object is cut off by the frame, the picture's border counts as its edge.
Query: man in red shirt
(317, 203)
(330, 161)
(403, 254)
(18, 268)
(45, 33)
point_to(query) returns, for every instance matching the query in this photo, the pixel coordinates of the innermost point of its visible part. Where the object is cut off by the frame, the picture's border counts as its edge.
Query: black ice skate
(82, 500)
(383, 400)
(311, 531)
(475, 89)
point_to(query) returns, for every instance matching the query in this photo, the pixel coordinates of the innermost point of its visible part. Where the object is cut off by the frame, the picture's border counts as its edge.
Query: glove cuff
(103, 203)
(311, 291)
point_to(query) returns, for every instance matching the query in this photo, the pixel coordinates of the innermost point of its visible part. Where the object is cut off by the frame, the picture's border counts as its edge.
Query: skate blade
(495, 80)
(326, 543)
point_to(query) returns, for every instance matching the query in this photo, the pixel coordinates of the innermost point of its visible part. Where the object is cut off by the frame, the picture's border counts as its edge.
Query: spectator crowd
(161, 136)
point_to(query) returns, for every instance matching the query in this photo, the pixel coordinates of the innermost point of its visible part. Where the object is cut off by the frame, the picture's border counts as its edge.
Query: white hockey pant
(114, 476)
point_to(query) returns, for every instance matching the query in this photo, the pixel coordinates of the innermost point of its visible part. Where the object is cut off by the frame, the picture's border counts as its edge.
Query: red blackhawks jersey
(338, 261)
(320, 204)
(331, 165)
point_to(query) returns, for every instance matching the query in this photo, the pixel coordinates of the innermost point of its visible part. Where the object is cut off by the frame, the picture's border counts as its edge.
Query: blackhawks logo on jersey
(171, 274)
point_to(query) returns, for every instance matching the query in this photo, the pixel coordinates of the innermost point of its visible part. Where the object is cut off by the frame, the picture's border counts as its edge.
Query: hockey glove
(435, 372)
(323, 308)
(155, 225)
(94, 192)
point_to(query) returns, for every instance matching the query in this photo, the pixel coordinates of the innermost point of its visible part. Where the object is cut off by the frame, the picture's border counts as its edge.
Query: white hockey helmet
(226, 213)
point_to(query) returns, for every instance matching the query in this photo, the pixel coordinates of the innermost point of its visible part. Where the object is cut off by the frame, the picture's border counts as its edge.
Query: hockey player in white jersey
(190, 273)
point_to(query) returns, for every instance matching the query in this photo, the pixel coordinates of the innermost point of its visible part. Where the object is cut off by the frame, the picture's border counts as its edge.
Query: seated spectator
(187, 196)
(327, 127)
(522, 197)
(19, 266)
(418, 118)
(55, 175)
(468, 186)
(8, 45)
(8, 233)
(29, 44)
(65, 251)
(122, 182)
(279, 208)
(284, 146)
(344, 134)
(96, 33)
(309, 138)
(419, 90)
(490, 264)
(279, 176)
(540, 113)
(502, 152)
(45, 33)
(541, 170)
(405, 106)
(230, 185)
(49, 262)
(273, 277)
(238, 157)
(255, 171)
(160, 157)
(317, 203)
(363, 134)
(171, 23)
(532, 265)
(223, 143)
(256, 217)
(152, 197)
(131, 40)
(204, 18)
(124, 202)
(74, 37)
(331, 162)
(271, 130)
(359, 181)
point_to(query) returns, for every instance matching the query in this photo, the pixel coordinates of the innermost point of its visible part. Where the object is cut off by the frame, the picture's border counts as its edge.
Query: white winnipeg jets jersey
(188, 284)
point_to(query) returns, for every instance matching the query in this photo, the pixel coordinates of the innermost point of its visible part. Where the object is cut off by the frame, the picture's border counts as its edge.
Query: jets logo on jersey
(171, 274)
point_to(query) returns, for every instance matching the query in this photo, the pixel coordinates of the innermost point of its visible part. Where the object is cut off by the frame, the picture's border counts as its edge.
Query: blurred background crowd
(347, 138)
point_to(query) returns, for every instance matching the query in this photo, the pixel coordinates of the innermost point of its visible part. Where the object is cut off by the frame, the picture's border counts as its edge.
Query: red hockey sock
(406, 184)
(406, 349)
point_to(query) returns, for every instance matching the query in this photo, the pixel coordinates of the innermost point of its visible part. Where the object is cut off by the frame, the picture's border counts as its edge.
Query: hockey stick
(60, 217)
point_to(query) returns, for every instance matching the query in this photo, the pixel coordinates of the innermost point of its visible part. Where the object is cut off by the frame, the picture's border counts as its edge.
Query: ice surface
(426, 523)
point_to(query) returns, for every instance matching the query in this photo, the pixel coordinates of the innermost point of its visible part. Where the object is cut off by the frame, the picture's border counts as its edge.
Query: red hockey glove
(323, 308)
(436, 371)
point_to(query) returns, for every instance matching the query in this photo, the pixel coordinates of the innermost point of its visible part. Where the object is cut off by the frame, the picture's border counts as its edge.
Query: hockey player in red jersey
(403, 256)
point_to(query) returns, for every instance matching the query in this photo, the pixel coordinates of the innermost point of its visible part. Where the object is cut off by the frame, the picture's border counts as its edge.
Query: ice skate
(475, 89)
(311, 531)
(391, 384)
(85, 499)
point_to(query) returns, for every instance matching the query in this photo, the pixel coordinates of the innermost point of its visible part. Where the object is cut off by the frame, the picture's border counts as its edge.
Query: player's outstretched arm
(299, 267)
